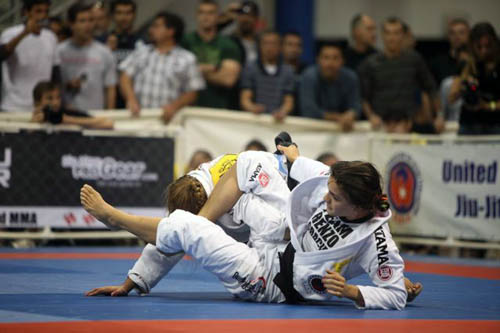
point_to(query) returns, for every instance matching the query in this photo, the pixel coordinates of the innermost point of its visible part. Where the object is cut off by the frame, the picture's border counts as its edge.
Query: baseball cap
(249, 7)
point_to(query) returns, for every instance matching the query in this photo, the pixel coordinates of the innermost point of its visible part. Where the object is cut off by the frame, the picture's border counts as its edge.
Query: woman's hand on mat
(291, 152)
(109, 291)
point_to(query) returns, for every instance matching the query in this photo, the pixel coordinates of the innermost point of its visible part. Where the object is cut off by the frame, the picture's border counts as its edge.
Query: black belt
(284, 279)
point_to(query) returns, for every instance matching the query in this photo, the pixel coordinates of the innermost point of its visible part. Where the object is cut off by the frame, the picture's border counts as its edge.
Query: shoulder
(287, 69)
(49, 36)
(61, 47)
(348, 74)
(187, 55)
(226, 42)
(101, 48)
(310, 73)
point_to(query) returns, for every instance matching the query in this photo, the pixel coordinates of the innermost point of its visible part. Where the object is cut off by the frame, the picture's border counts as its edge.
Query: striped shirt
(160, 79)
(268, 89)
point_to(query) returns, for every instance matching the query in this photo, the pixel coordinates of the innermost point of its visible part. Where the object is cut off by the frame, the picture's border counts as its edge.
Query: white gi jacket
(366, 248)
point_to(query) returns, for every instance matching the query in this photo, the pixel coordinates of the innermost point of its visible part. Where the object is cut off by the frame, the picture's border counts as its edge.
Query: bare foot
(413, 289)
(93, 203)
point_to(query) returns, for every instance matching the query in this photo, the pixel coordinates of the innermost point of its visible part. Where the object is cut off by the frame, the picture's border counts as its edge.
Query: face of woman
(337, 203)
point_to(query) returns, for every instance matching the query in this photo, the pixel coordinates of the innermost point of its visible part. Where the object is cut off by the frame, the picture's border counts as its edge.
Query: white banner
(61, 217)
(444, 188)
(223, 132)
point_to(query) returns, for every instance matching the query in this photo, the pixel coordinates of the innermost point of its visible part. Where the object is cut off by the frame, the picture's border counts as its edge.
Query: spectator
(162, 75)
(292, 51)
(479, 84)
(102, 21)
(59, 28)
(364, 36)
(47, 98)
(87, 67)
(256, 145)
(218, 57)
(245, 35)
(122, 40)
(409, 41)
(393, 82)
(268, 84)
(29, 54)
(449, 64)
(328, 158)
(199, 157)
(330, 91)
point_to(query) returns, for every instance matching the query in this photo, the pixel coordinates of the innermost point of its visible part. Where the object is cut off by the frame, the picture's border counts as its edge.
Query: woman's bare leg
(224, 196)
(142, 226)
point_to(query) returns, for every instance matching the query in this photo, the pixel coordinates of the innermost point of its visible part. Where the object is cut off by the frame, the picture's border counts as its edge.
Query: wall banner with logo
(443, 188)
(41, 175)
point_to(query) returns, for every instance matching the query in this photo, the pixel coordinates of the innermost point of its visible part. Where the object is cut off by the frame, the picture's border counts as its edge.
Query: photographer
(47, 97)
(479, 84)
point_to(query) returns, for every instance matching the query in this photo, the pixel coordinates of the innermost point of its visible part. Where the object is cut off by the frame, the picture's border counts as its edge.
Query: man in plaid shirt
(162, 75)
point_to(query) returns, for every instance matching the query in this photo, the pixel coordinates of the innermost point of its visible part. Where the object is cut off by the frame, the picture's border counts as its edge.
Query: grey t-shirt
(96, 64)
(268, 89)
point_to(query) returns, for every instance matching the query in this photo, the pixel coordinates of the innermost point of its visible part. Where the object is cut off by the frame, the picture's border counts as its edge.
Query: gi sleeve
(381, 260)
(304, 168)
(152, 266)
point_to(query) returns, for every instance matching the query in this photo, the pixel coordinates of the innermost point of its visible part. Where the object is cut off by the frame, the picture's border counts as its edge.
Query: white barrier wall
(439, 186)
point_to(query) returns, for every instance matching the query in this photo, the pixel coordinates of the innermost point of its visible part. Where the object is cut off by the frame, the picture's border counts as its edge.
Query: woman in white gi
(329, 248)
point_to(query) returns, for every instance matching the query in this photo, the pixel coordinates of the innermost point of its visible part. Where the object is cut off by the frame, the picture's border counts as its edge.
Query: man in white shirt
(28, 55)
(88, 68)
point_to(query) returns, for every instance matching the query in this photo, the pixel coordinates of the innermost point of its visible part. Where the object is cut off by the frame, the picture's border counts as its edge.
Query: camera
(52, 116)
(470, 93)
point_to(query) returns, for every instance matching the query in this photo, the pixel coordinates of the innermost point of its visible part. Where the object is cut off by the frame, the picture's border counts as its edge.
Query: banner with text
(41, 175)
(443, 188)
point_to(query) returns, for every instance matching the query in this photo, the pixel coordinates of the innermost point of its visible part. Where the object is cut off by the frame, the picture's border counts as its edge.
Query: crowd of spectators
(231, 62)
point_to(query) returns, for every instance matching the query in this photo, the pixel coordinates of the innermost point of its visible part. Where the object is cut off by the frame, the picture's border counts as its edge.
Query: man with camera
(479, 84)
(28, 53)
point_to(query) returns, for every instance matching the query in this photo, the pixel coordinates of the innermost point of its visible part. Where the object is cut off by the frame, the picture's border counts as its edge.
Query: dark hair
(117, 3)
(326, 155)
(76, 9)
(393, 20)
(173, 21)
(208, 2)
(361, 183)
(356, 20)
(186, 193)
(28, 4)
(268, 32)
(41, 88)
(330, 44)
(459, 20)
(258, 144)
(292, 33)
(56, 19)
(485, 29)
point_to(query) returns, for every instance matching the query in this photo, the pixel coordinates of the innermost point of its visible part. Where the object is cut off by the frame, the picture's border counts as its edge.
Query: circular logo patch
(384, 273)
(315, 284)
(404, 185)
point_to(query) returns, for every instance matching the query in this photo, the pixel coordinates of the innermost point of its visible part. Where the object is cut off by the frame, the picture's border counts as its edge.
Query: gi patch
(314, 284)
(384, 273)
(263, 179)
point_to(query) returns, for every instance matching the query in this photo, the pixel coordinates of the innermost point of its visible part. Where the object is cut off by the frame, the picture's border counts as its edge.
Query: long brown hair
(361, 183)
(185, 193)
